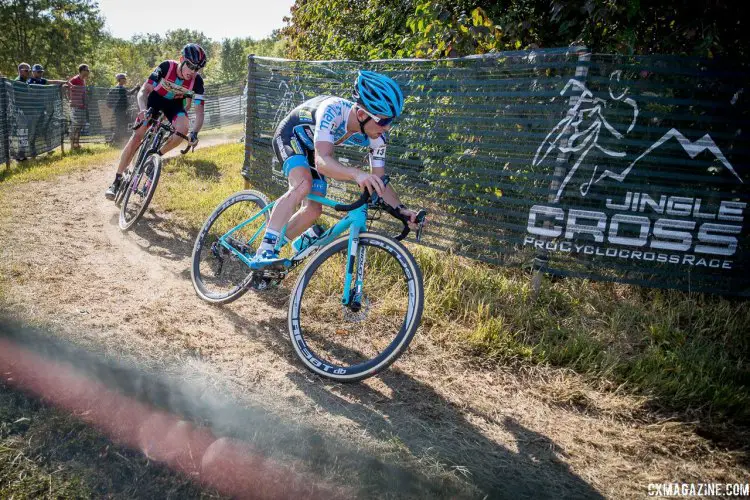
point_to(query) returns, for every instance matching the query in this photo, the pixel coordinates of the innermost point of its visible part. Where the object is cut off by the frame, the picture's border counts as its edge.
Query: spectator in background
(45, 103)
(25, 116)
(78, 105)
(117, 101)
(37, 74)
(23, 72)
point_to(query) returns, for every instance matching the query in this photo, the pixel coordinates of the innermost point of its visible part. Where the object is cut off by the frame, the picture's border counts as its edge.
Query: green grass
(235, 130)
(193, 185)
(53, 164)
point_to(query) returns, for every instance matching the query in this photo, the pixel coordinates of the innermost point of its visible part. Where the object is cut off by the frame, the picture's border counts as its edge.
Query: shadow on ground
(435, 432)
(47, 453)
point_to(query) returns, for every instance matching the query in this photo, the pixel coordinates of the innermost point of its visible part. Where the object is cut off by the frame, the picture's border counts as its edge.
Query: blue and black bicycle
(356, 304)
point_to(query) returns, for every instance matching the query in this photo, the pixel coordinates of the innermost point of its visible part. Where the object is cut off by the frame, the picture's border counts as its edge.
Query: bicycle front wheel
(218, 274)
(348, 343)
(122, 189)
(139, 192)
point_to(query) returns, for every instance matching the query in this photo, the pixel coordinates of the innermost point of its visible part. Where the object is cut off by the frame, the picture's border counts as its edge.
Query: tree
(59, 34)
(233, 62)
(344, 29)
(175, 40)
(272, 46)
(136, 57)
(360, 29)
(678, 27)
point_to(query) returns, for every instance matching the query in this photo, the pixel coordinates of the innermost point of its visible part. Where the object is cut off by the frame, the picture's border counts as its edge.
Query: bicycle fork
(352, 296)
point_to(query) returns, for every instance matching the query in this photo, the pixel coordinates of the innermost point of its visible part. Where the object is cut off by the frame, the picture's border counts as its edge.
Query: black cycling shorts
(170, 107)
(294, 147)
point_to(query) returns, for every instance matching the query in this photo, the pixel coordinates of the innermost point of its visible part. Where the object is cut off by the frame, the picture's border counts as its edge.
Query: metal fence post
(249, 118)
(561, 169)
(64, 124)
(4, 129)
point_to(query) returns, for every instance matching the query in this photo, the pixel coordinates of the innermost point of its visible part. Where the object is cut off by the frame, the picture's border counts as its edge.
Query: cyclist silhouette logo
(291, 95)
(580, 131)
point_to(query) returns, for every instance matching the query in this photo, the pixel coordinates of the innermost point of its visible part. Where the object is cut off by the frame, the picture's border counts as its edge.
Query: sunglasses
(191, 66)
(383, 122)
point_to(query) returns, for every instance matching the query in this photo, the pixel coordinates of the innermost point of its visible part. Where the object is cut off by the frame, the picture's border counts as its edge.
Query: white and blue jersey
(321, 119)
(333, 115)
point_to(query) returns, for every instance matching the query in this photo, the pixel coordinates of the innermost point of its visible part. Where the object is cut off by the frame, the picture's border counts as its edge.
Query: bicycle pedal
(261, 284)
(273, 274)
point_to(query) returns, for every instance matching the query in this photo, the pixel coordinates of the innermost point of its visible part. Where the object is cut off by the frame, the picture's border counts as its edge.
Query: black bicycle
(139, 184)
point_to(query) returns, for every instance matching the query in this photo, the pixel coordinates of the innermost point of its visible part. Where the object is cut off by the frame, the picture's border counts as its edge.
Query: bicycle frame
(155, 134)
(354, 222)
(158, 138)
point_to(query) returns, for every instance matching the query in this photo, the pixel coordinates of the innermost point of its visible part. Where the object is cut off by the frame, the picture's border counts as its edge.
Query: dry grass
(492, 392)
(680, 351)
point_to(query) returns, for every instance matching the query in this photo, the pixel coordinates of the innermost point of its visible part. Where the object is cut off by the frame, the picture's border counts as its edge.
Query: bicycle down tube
(355, 221)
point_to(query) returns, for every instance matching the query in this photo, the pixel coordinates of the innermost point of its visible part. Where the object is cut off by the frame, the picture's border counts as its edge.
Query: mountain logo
(693, 149)
(578, 133)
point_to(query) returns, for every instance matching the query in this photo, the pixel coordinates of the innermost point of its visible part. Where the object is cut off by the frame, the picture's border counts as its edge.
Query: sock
(285, 241)
(118, 177)
(269, 241)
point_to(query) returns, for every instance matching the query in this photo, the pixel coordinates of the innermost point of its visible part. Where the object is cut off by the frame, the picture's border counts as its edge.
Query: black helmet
(195, 54)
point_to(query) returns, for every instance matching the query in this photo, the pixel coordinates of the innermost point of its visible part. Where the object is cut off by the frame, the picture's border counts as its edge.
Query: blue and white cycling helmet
(378, 94)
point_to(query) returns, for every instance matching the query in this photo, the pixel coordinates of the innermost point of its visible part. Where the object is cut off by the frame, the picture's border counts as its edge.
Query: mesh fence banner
(630, 169)
(37, 118)
(101, 114)
(34, 118)
(4, 114)
(225, 105)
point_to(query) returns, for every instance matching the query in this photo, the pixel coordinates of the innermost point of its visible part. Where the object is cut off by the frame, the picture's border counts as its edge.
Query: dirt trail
(537, 433)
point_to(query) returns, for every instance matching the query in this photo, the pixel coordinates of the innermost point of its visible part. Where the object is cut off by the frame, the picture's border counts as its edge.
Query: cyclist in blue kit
(304, 144)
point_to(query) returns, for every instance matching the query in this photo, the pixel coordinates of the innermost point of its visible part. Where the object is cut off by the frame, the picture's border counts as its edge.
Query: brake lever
(187, 149)
(421, 218)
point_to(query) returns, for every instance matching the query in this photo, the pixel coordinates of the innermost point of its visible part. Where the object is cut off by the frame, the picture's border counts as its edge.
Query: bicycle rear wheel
(340, 342)
(139, 192)
(218, 275)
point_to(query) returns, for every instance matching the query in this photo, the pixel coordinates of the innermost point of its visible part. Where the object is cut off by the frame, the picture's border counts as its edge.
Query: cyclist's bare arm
(199, 114)
(389, 195)
(146, 89)
(329, 166)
